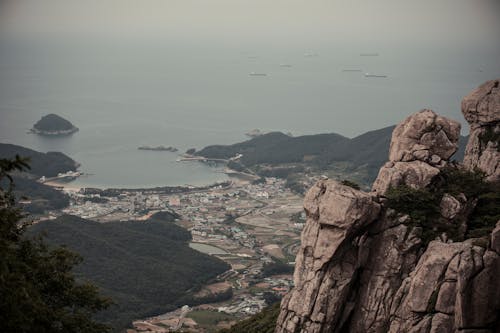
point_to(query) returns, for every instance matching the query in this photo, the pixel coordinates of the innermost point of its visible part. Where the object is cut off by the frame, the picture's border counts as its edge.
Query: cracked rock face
(481, 109)
(452, 289)
(329, 256)
(420, 146)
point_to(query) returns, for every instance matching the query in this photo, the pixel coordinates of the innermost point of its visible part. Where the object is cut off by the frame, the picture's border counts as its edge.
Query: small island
(53, 125)
(159, 148)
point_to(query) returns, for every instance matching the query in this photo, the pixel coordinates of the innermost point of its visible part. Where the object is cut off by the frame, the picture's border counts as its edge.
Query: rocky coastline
(55, 133)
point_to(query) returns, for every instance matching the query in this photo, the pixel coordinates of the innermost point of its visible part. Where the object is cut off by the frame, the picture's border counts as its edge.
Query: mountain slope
(42, 164)
(146, 267)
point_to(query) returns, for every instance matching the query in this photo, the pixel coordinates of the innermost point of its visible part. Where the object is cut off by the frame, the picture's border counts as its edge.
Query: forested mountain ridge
(367, 150)
(41, 164)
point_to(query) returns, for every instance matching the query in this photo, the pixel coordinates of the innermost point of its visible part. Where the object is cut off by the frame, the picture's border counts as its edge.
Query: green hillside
(42, 164)
(147, 268)
(321, 151)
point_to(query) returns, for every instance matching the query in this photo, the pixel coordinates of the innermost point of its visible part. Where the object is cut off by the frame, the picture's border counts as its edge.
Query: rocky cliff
(420, 253)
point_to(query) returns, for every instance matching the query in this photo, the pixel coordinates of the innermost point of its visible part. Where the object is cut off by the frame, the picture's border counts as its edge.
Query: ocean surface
(189, 94)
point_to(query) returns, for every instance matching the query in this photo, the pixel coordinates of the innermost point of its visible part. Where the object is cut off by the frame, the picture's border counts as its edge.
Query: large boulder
(481, 109)
(482, 106)
(420, 145)
(424, 136)
(416, 174)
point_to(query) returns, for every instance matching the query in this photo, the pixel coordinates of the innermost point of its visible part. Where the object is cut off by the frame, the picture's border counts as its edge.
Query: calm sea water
(192, 94)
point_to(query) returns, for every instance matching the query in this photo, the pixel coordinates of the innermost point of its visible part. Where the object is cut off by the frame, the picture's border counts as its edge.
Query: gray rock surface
(329, 257)
(421, 145)
(481, 109)
(423, 135)
(450, 206)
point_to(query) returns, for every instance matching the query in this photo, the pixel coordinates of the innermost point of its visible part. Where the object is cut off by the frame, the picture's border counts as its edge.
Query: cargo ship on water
(159, 148)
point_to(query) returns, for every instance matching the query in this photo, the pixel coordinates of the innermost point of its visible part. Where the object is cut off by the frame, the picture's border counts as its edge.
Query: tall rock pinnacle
(481, 109)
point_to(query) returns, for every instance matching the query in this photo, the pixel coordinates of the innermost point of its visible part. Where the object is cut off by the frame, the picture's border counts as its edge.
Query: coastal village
(247, 224)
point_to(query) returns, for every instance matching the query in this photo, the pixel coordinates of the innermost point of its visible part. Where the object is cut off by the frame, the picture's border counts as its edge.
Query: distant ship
(257, 74)
(369, 54)
(159, 148)
(374, 75)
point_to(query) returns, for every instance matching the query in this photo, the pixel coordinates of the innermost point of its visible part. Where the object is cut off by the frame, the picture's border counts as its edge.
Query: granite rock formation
(420, 146)
(481, 109)
(364, 267)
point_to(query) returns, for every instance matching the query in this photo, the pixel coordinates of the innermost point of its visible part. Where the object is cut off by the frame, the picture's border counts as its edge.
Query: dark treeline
(147, 268)
(41, 164)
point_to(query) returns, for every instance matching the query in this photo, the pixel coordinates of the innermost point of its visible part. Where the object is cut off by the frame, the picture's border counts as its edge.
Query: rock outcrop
(481, 109)
(420, 146)
(365, 267)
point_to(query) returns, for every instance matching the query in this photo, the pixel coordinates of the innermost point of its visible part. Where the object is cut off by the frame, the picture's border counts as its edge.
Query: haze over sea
(176, 73)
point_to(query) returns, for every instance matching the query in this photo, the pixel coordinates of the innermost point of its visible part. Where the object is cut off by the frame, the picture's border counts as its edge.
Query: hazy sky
(235, 21)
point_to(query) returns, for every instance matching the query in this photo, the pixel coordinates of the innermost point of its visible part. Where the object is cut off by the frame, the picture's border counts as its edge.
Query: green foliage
(263, 322)
(350, 184)
(276, 268)
(281, 172)
(485, 214)
(422, 205)
(42, 197)
(295, 184)
(209, 318)
(454, 180)
(38, 291)
(419, 204)
(147, 267)
(167, 216)
(236, 166)
(271, 297)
